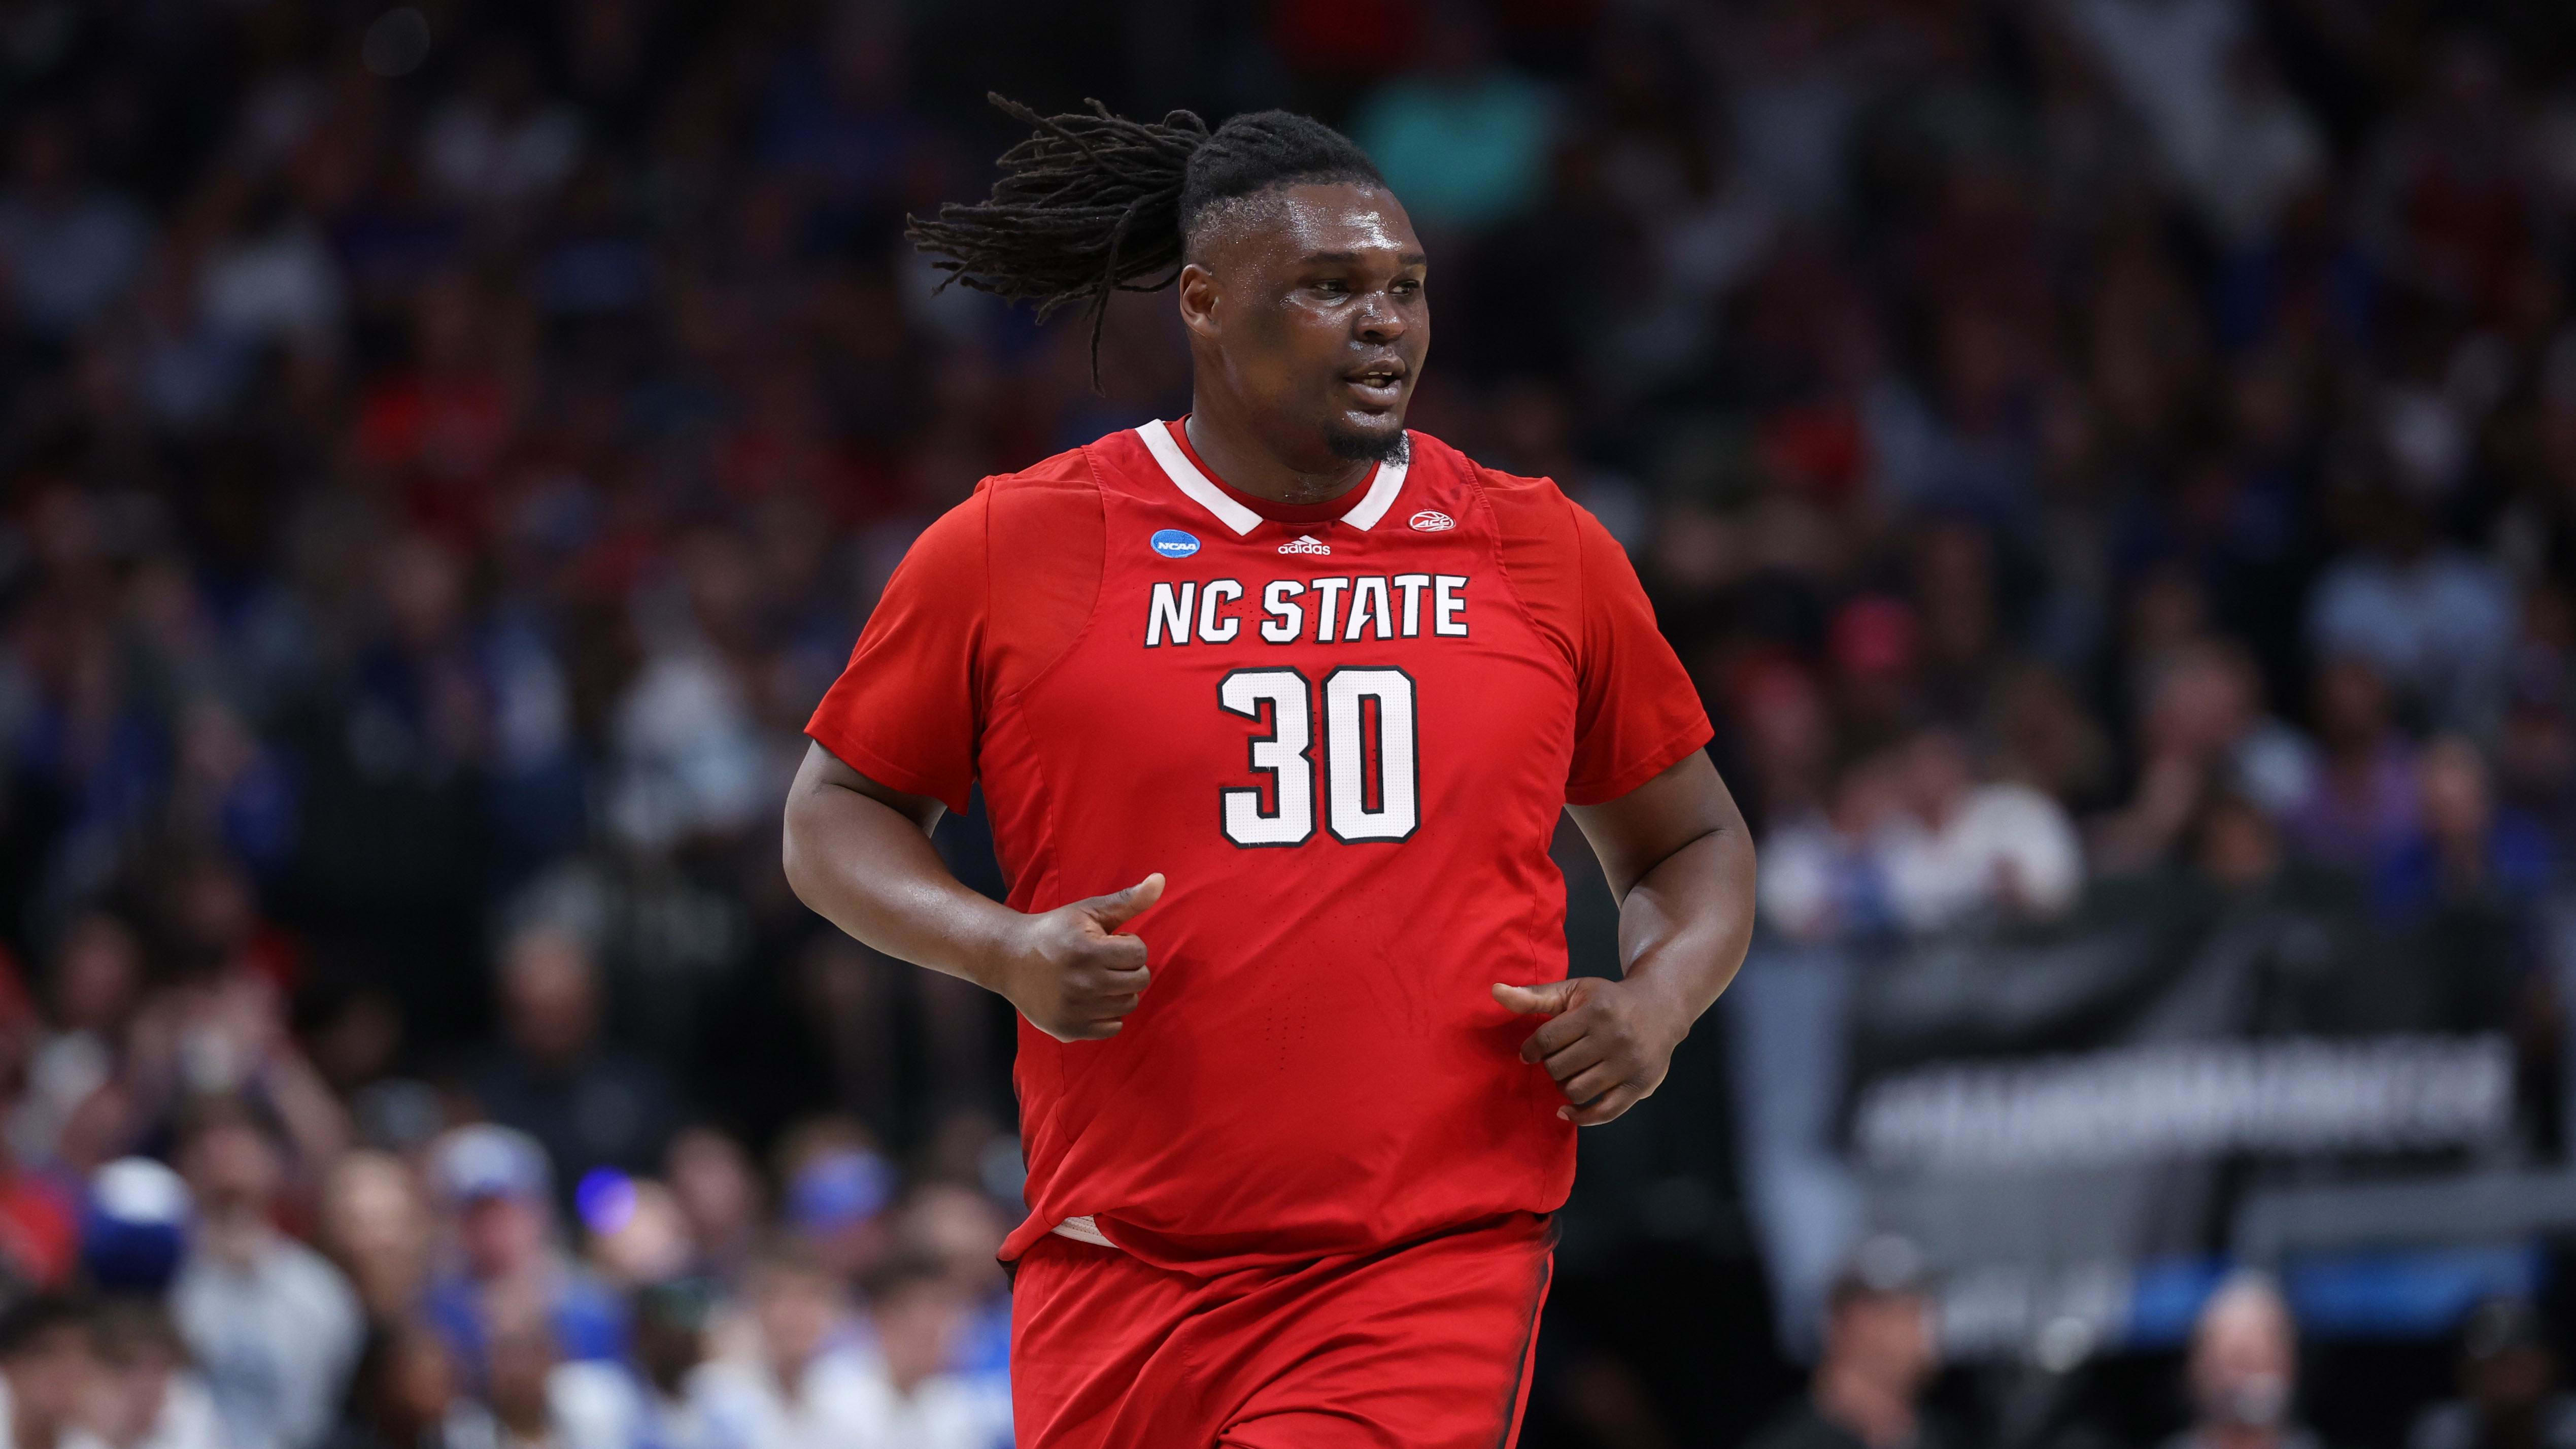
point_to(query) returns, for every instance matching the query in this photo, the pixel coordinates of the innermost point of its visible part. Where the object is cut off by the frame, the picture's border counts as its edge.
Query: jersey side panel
(1045, 541)
(1044, 538)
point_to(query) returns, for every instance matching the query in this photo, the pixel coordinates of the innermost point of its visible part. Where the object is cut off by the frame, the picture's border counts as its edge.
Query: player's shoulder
(1041, 529)
(1072, 475)
(1039, 516)
(1042, 508)
(1525, 509)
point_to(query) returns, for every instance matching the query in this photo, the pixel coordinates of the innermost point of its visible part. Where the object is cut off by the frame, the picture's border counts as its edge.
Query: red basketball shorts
(1426, 1346)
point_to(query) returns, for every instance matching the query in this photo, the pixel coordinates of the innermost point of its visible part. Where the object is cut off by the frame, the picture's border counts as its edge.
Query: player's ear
(1198, 300)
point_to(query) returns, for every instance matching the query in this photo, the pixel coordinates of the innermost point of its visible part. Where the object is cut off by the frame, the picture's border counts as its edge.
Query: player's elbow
(796, 850)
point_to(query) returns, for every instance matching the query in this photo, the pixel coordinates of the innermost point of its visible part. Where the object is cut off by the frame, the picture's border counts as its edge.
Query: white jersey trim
(1374, 503)
(1083, 1230)
(1186, 477)
(1381, 492)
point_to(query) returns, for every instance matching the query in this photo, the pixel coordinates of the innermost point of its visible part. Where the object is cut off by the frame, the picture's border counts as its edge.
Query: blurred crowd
(435, 1298)
(2240, 1375)
(445, 451)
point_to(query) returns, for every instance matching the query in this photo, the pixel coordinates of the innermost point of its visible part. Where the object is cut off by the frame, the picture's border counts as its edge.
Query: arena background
(2109, 464)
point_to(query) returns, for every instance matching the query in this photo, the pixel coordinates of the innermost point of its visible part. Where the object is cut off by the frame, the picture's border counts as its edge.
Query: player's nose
(1378, 319)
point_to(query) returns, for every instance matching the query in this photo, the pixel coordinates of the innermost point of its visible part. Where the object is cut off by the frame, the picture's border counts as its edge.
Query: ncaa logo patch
(1173, 543)
(1432, 520)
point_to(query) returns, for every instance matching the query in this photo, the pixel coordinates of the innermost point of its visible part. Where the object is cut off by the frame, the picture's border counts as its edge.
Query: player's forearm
(870, 870)
(1685, 926)
(858, 852)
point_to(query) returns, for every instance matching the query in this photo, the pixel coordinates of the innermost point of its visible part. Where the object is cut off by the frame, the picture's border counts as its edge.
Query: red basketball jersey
(1344, 733)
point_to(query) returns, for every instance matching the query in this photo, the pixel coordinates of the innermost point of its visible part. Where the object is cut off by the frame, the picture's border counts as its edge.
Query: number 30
(1286, 754)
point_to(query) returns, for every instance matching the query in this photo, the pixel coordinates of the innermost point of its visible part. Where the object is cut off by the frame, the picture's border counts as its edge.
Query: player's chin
(1362, 434)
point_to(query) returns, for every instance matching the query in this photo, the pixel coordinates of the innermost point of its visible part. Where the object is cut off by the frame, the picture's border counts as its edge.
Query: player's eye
(1333, 287)
(1406, 286)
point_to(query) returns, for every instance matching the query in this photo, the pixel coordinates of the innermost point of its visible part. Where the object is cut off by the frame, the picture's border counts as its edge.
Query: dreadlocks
(1093, 204)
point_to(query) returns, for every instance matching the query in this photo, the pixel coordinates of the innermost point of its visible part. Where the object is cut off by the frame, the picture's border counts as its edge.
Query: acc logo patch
(1173, 543)
(1432, 520)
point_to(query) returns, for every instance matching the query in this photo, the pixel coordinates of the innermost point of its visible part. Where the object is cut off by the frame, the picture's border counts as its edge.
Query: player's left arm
(1680, 863)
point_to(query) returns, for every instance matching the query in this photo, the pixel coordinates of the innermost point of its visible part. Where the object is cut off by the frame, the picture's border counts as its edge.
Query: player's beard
(1358, 447)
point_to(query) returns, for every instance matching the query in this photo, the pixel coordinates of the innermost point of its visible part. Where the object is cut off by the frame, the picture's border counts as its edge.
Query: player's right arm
(895, 744)
(859, 853)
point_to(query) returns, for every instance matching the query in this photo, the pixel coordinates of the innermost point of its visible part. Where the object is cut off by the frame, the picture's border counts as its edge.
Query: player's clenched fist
(1070, 972)
(1607, 1043)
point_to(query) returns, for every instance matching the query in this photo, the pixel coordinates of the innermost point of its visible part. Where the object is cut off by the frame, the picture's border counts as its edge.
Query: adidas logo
(1306, 543)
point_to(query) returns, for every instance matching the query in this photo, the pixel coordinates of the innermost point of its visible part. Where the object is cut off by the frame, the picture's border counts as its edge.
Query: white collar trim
(1185, 475)
(1381, 492)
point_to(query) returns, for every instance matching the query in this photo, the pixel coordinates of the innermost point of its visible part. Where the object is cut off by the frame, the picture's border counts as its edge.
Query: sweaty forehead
(1285, 226)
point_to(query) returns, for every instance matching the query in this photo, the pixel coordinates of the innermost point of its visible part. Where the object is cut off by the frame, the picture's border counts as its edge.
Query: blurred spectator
(1465, 141)
(2509, 1392)
(587, 1105)
(719, 1193)
(2365, 800)
(1825, 874)
(2204, 724)
(687, 756)
(1788, 742)
(536, 1396)
(48, 1369)
(376, 1225)
(864, 1007)
(503, 141)
(272, 279)
(2434, 620)
(97, 977)
(2467, 850)
(919, 1313)
(1959, 848)
(273, 1326)
(1879, 1353)
(2044, 738)
(838, 1189)
(147, 1395)
(635, 1229)
(2445, 192)
(2243, 1371)
(671, 1321)
(2233, 844)
(508, 1263)
(210, 1035)
(1874, 645)
(960, 1231)
(795, 1387)
(406, 1393)
(69, 244)
(2221, 118)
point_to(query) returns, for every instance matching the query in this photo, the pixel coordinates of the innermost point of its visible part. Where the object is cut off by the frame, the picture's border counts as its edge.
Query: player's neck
(1239, 460)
